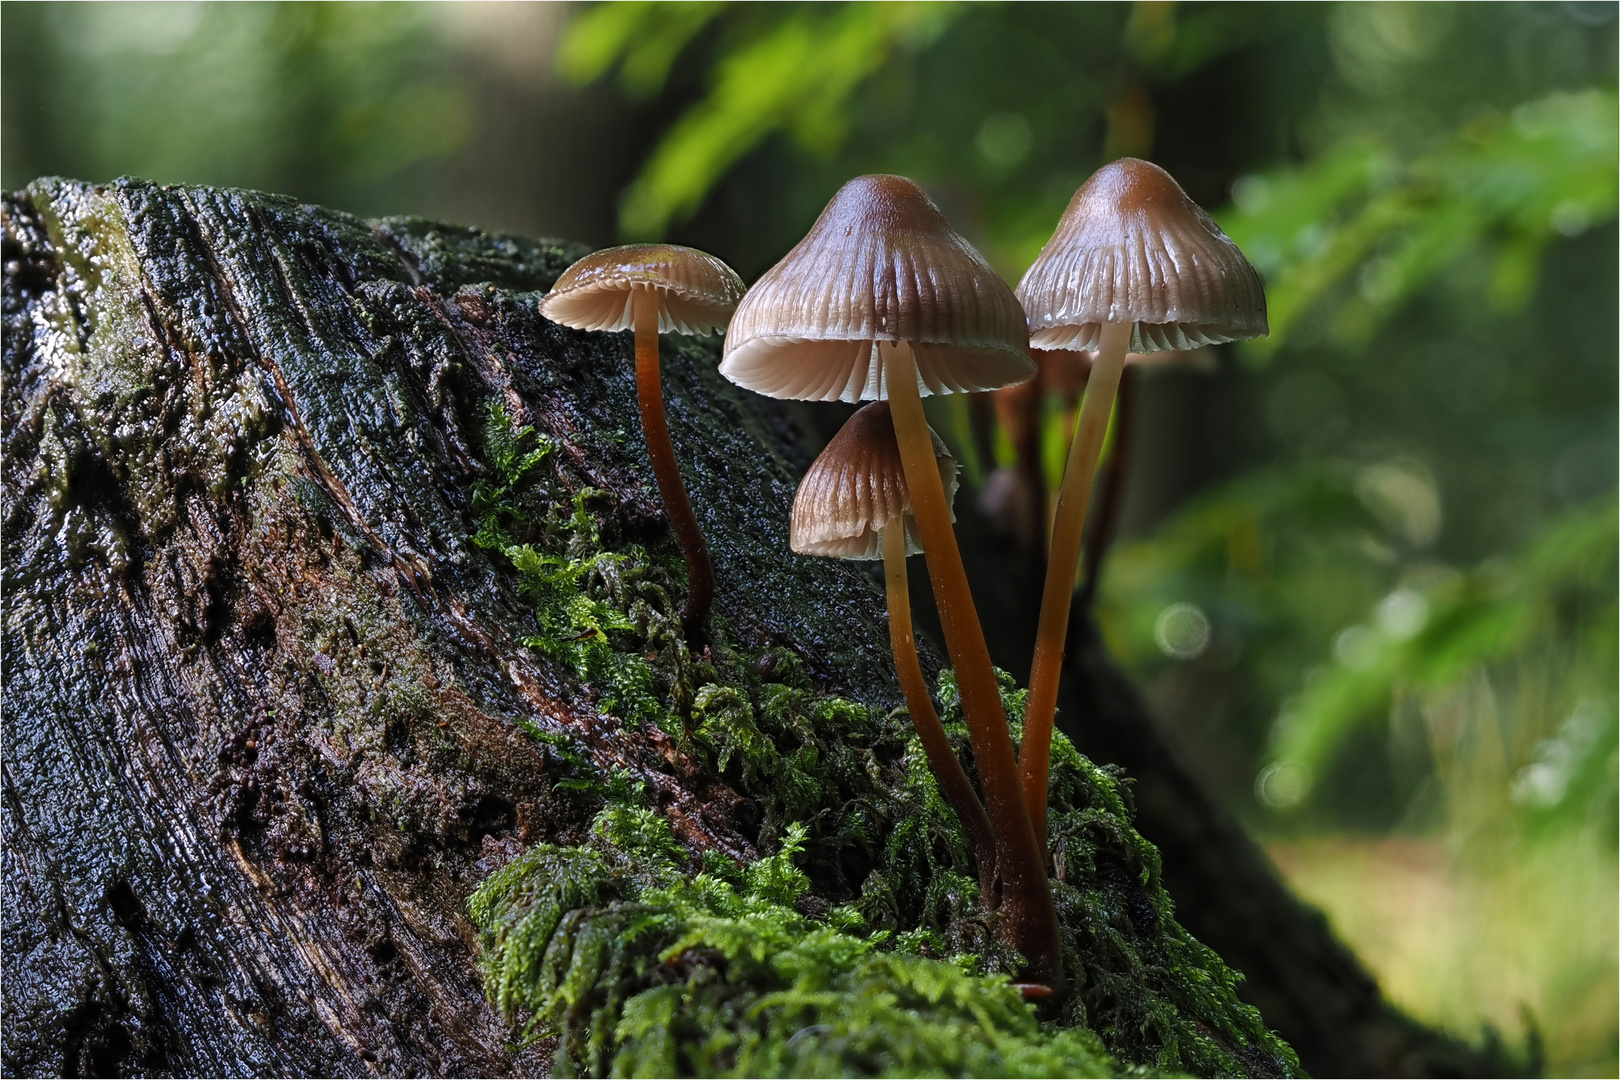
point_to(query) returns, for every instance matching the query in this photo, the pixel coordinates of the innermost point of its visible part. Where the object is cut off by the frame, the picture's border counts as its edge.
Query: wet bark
(265, 700)
(262, 694)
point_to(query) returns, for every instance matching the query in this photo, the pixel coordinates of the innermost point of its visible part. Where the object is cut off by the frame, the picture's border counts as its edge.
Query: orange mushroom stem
(942, 761)
(1068, 527)
(1111, 499)
(682, 521)
(1026, 898)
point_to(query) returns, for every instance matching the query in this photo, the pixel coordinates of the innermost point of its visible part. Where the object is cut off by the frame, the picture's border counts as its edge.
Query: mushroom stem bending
(953, 781)
(1068, 527)
(650, 392)
(1026, 904)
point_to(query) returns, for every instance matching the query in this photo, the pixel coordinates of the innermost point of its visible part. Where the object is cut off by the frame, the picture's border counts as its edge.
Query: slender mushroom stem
(650, 392)
(1026, 898)
(1067, 528)
(1111, 499)
(953, 781)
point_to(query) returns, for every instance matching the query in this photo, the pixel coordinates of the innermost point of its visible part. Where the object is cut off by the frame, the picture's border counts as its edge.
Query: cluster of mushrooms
(883, 301)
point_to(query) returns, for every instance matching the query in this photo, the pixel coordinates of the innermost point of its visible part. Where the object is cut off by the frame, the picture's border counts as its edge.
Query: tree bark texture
(259, 688)
(265, 701)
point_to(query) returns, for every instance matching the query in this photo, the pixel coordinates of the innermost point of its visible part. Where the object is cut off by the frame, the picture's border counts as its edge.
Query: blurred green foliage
(1513, 182)
(793, 71)
(343, 104)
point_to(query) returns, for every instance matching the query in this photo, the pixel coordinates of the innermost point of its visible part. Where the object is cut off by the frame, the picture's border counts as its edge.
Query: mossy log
(281, 686)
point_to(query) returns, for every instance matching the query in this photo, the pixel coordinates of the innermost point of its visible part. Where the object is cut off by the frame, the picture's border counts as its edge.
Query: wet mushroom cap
(880, 264)
(857, 487)
(696, 292)
(1132, 247)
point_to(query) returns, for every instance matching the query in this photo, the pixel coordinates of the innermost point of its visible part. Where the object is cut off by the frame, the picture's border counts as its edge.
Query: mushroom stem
(953, 781)
(1067, 528)
(650, 393)
(1111, 499)
(1026, 899)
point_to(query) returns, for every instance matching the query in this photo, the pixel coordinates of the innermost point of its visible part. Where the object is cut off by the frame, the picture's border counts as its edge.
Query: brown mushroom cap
(856, 487)
(1132, 247)
(696, 292)
(880, 264)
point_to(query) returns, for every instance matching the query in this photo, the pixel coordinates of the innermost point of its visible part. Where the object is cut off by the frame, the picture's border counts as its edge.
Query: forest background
(1366, 567)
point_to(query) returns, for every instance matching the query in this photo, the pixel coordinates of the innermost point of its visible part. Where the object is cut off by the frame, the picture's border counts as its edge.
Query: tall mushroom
(882, 299)
(853, 503)
(1134, 266)
(655, 289)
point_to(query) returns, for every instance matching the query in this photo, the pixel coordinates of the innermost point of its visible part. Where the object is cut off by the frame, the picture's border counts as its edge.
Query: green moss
(510, 457)
(657, 974)
(642, 961)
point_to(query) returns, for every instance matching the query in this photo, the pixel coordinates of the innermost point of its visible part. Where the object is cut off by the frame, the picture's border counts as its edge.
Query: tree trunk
(271, 709)
(259, 687)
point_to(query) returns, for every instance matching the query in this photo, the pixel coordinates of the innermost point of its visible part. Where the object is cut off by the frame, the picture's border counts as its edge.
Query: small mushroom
(655, 288)
(882, 299)
(1134, 266)
(853, 503)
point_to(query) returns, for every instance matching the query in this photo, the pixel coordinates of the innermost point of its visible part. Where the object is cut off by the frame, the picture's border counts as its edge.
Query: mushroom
(655, 289)
(882, 299)
(853, 503)
(1134, 266)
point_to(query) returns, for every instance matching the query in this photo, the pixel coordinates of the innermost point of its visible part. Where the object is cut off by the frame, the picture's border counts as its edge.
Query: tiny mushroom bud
(853, 503)
(882, 299)
(1134, 265)
(655, 288)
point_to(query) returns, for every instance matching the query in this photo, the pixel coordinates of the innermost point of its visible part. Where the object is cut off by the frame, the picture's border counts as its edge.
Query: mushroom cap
(880, 264)
(696, 292)
(1132, 247)
(856, 487)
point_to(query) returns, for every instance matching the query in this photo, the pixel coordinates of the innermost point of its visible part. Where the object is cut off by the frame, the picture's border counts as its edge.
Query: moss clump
(1152, 991)
(647, 972)
(808, 960)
